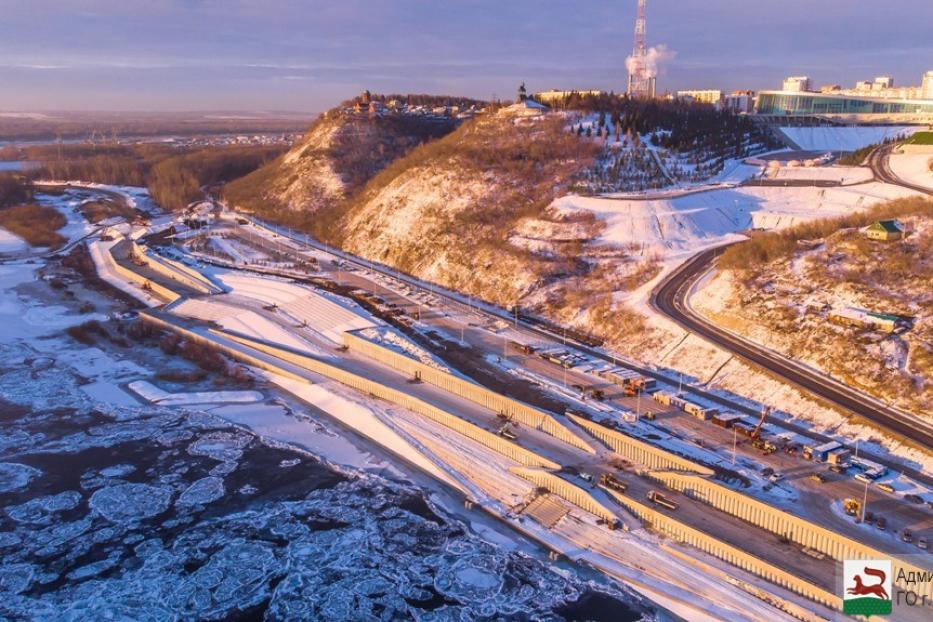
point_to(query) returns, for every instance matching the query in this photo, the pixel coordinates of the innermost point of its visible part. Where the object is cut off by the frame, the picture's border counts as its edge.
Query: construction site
(598, 460)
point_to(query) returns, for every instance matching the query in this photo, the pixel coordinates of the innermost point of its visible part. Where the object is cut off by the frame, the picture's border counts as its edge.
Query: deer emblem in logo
(876, 589)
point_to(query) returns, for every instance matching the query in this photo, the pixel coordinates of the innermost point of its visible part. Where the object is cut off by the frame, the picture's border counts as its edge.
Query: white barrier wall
(519, 411)
(782, 523)
(737, 557)
(564, 489)
(496, 443)
(171, 270)
(158, 290)
(639, 451)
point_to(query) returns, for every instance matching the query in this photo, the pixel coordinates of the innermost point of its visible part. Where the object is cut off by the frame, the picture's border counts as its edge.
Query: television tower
(640, 83)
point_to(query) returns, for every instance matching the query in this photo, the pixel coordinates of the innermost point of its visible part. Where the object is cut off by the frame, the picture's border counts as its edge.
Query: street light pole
(864, 501)
(735, 438)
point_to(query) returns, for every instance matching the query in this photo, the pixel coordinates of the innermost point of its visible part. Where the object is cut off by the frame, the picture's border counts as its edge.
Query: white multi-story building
(926, 87)
(882, 82)
(704, 96)
(796, 84)
(740, 101)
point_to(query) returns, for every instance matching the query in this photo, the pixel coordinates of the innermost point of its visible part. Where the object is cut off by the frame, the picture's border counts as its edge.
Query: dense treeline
(415, 99)
(82, 126)
(677, 125)
(174, 177)
(14, 189)
(37, 224)
(766, 247)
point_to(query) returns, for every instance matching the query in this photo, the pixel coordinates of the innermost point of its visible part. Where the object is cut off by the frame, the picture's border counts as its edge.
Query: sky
(307, 55)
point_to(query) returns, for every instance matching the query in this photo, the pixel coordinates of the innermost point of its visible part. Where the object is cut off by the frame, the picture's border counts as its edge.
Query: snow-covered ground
(11, 243)
(913, 167)
(159, 396)
(849, 138)
(322, 314)
(840, 174)
(680, 227)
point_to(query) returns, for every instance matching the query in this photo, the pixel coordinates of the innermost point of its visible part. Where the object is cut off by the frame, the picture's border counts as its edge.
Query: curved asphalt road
(670, 298)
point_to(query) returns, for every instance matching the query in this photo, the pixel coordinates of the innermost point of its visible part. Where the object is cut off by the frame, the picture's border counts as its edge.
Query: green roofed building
(885, 230)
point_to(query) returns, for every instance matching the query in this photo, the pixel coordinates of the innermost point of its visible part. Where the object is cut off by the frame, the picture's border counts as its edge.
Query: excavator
(766, 446)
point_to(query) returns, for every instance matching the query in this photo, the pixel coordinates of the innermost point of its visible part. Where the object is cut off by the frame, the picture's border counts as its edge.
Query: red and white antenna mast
(639, 82)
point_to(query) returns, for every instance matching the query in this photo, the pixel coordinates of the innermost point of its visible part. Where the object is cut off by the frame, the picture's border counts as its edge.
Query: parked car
(881, 523)
(914, 499)
(776, 477)
(586, 477)
(767, 471)
(839, 468)
(818, 478)
(906, 536)
(922, 542)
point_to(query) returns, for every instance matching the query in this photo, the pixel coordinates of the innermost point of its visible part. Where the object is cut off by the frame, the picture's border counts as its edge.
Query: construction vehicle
(852, 506)
(658, 499)
(524, 348)
(506, 432)
(766, 447)
(611, 481)
(756, 433)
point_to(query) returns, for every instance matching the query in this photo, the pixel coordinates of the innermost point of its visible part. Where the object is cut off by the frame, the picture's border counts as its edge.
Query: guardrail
(639, 451)
(717, 548)
(519, 411)
(782, 523)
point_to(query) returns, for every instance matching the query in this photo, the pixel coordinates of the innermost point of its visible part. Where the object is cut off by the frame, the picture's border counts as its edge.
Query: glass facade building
(801, 104)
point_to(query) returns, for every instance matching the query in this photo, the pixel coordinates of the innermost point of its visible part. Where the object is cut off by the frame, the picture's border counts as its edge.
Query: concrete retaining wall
(158, 290)
(639, 451)
(781, 522)
(519, 411)
(564, 489)
(496, 443)
(172, 270)
(737, 557)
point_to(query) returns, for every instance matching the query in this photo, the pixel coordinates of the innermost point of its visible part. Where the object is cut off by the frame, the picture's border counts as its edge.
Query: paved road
(878, 161)
(670, 298)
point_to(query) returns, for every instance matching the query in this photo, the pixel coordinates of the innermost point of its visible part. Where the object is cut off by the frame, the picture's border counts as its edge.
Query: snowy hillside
(339, 153)
(684, 225)
(788, 304)
(827, 138)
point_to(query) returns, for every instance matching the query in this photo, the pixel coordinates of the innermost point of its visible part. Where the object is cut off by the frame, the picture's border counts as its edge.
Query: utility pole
(864, 501)
(735, 438)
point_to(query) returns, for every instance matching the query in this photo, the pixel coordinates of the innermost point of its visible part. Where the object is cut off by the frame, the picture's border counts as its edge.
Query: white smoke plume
(655, 58)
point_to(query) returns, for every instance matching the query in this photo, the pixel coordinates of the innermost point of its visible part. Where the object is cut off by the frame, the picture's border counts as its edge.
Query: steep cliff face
(472, 210)
(337, 155)
(447, 210)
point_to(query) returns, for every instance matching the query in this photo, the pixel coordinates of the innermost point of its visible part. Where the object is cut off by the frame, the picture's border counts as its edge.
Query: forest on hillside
(675, 125)
(173, 176)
